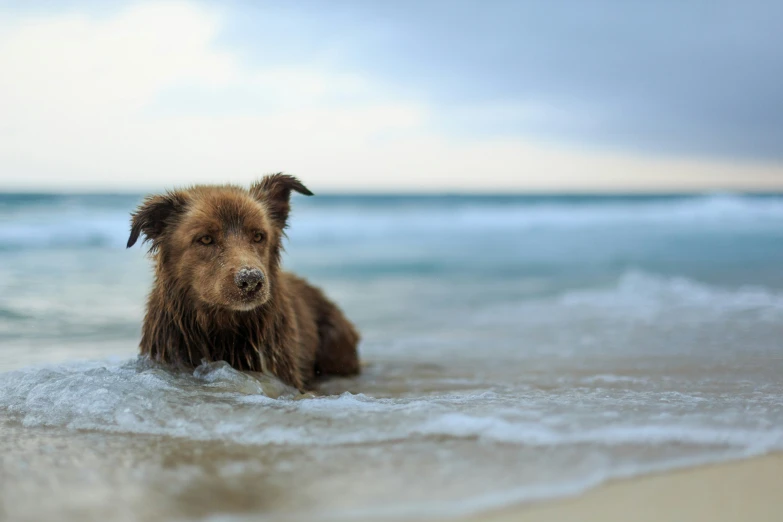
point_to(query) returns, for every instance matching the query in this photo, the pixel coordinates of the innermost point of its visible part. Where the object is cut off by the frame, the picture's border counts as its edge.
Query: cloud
(696, 77)
(148, 97)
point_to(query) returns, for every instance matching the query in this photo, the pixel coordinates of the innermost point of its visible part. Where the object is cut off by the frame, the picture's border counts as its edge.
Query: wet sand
(82, 476)
(748, 490)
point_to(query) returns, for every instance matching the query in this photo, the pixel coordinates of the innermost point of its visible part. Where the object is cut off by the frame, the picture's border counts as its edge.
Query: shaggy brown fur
(219, 291)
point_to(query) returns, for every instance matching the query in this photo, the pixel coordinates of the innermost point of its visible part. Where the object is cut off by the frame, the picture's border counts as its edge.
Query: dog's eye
(206, 240)
(258, 237)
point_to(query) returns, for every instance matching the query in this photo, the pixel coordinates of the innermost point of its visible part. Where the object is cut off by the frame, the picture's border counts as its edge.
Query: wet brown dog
(220, 294)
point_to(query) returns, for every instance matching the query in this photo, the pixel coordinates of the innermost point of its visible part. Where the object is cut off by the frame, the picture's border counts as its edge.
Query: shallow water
(516, 349)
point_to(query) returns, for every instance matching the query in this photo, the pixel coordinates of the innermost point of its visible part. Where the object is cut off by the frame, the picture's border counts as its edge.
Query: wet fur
(195, 312)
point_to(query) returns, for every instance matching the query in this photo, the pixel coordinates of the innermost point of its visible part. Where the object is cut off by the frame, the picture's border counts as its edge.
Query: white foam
(642, 296)
(612, 379)
(535, 434)
(559, 435)
(218, 402)
(706, 210)
(638, 289)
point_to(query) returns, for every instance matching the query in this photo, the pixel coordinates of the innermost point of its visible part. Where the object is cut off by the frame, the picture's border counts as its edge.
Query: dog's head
(218, 244)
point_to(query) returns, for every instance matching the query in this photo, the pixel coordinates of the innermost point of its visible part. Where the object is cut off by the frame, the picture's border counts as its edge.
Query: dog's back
(329, 339)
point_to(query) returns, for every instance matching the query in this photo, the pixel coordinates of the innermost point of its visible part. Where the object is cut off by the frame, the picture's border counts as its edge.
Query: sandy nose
(248, 279)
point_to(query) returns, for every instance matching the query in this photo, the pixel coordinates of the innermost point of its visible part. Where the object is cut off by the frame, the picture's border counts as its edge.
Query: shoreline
(153, 477)
(746, 489)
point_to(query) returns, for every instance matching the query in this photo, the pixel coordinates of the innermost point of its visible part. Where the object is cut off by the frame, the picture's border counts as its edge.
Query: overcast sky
(405, 95)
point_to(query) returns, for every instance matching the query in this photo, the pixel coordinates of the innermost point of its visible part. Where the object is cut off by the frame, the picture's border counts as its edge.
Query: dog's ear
(154, 214)
(275, 191)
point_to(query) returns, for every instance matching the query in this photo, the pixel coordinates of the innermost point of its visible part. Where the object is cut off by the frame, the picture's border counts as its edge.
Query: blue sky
(404, 95)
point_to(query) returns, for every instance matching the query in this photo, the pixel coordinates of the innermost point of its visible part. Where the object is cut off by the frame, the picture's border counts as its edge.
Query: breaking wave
(78, 222)
(217, 402)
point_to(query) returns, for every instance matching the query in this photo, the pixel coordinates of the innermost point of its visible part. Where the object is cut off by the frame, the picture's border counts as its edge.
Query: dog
(220, 293)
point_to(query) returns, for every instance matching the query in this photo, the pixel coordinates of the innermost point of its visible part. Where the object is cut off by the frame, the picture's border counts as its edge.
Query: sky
(365, 96)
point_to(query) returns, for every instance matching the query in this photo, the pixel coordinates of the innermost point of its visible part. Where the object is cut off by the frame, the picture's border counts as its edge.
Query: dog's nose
(248, 279)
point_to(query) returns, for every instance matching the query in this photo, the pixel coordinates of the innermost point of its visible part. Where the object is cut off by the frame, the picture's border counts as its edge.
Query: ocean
(516, 348)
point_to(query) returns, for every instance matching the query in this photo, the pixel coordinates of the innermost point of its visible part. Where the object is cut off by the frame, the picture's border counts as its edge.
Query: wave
(53, 231)
(534, 434)
(217, 402)
(638, 297)
(520, 444)
(86, 223)
(640, 291)
(474, 220)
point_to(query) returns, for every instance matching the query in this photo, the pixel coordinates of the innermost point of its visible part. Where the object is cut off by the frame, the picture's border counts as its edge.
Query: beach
(84, 477)
(530, 356)
(747, 490)
(391, 261)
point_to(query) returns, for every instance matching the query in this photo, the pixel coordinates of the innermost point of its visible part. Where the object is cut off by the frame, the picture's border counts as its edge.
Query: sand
(750, 491)
(82, 476)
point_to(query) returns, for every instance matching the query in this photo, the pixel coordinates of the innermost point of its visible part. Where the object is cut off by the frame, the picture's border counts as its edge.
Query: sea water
(516, 348)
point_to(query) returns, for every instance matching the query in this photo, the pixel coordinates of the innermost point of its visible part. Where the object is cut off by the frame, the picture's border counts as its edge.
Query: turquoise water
(518, 347)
